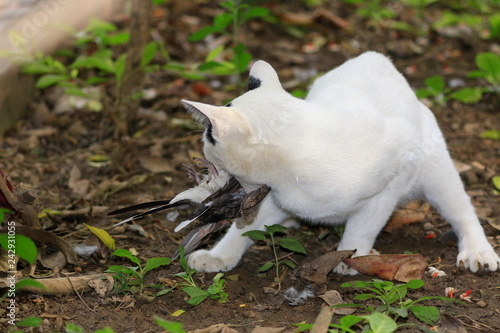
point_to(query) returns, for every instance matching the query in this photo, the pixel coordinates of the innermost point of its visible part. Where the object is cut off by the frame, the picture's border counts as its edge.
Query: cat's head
(240, 135)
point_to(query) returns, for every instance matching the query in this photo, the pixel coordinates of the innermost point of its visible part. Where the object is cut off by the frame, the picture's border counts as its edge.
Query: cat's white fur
(358, 146)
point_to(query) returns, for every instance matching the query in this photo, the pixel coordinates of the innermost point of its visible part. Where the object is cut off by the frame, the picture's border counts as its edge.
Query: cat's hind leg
(442, 187)
(227, 253)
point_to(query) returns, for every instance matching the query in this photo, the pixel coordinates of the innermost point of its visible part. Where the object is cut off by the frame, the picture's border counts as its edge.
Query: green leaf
(267, 266)
(489, 63)
(468, 95)
(257, 235)
(29, 283)
(197, 295)
(427, 314)
(288, 263)
(415, 284)
(153, 263)
(49, 80)
(23, 246)
(491, 134)
(214, 53)
(128, 255)
(364, 297)
(436, 83)
(120, 67)
(349, 320)
(30, 322)
(496, 182)
(172, 327)
(36, 68)
(275, 228)
(202, 33)
(116, 39)
(255, 12)
(106, 329)
(4, 211)
(381, 323)
(72, 328)
(292, 244)
(221, 21)
(149, 53)
(494, 23)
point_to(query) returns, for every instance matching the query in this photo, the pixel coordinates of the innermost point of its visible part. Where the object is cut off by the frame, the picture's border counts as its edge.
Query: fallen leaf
(47, 237)
(400, 267)
(211, 329)
(103, 235)
(177, 313)
(156, 164)
(318, 269)
(260, 329)
(102, 286)
(54, 260)
(76, 184)
(323, 320)
(412, 213)
(59, 286)
(333, 297)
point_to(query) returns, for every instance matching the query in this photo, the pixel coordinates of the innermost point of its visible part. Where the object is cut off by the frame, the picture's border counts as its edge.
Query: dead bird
(217, 199)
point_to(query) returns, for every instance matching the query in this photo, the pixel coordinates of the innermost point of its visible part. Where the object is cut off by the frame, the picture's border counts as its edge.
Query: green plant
(393, 302)
(376, 10)
(197, 294)
(129, 278)
(287, 243)
(229, 23)
(435, 88)
(488, 64)
(392, 305)
(16, 244)
(96, 64)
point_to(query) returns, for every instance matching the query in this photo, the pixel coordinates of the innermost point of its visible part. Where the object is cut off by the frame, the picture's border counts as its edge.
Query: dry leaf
(76, 184)
(259, 329)
(400, 267)
(46, 237)
(318, 269)
(55, 260)
(412, 213)
(60, 286)
(323, 320)
(211, 329)
(156, 164)
(333, 297)
(102, 286)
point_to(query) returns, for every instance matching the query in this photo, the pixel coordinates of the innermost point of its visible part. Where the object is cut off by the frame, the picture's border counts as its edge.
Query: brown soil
(43, 161)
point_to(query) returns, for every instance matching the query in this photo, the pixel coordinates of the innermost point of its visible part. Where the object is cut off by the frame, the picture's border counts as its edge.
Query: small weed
(229, 23)
(435, 88)
(197, 294)
(131, 279)
(488, 65)
(393, 305)
(376, 10)
(287, 243)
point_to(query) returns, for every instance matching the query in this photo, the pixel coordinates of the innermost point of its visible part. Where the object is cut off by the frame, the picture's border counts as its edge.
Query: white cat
(358, 146)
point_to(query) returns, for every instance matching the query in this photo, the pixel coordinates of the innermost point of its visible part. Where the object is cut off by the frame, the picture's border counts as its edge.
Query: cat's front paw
(344, 269)
(479, 259)
(207, 261)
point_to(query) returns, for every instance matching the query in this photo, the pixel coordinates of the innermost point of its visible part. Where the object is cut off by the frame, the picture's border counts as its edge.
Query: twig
(77, 293)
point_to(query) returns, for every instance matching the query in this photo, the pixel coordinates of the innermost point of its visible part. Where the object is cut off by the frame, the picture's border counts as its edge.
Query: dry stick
(77, 293)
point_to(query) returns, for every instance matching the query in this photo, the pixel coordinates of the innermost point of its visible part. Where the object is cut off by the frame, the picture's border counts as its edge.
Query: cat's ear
(215, 118)
(263, 74)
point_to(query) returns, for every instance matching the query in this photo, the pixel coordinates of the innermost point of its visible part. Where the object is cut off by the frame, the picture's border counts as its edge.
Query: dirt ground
(46, 151)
